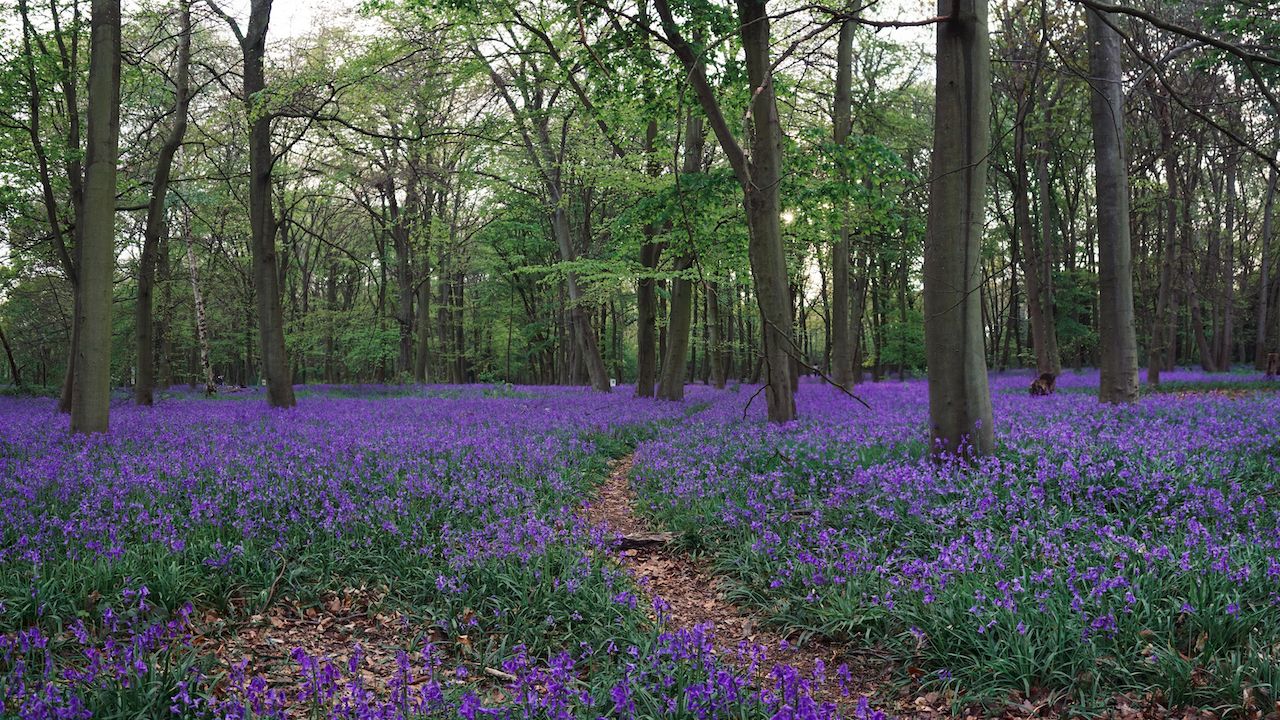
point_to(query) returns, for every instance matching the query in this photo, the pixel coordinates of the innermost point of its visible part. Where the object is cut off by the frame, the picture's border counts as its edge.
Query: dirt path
(695, 596)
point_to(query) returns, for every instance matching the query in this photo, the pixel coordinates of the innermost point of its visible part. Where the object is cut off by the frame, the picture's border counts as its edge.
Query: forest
(413, 359)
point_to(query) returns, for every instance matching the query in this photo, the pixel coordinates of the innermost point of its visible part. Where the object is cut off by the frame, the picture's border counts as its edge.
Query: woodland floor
(694, 595)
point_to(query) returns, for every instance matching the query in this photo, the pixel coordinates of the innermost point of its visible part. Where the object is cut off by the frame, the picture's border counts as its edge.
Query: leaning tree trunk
(759, 176)
(91, 394)
(144, 336)
(959, 398)
(202, 326)
(671, 383)
(266, 277)
(1118, 381)
(765, 248)
(842, 121)
(15, 374)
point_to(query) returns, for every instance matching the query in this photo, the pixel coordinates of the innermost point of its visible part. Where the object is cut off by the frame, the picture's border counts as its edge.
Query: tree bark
(959, 398)
(646, 295)
(715, 337)
(671, 382)
(15, 375)
(266, 275)
(91, 393)
(202, 325)
(1119, 345)
(1264, 280)
(1159, 340)
(842, 123)
(144, 331)
(759, 177)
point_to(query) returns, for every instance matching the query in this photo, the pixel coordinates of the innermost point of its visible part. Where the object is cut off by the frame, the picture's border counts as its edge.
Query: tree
(1118, 381)
(144, 332)
(91, 393)
(959, 399)
(759, 175)
(262, 222)
(842, 336)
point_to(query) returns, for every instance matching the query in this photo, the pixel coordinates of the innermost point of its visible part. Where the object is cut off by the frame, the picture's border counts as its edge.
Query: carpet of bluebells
(1100, 550)
(460, 502)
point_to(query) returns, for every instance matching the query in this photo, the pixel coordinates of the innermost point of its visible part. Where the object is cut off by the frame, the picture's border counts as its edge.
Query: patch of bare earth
(331, 629)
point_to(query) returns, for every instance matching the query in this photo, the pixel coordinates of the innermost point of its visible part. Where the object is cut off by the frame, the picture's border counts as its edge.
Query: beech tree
(959, 399)
(91, 394)
(144, 332)
(262, 221)
(1117, 340)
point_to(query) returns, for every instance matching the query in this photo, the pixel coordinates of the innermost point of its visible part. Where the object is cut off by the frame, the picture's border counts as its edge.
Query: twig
(494, 672)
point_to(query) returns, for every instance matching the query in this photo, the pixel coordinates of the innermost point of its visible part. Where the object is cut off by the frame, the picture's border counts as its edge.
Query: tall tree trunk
(400, 238)
(768, 258)
(1189, 286)
(1159, 328)
(715, 340)
(1046, 264)
(1043, 334)
(842, 122)
(1227, 280)
(959, 399)
(759, 176)
(262, 223)
(646, 297)
(423, 289)
(275, 360)
(1264, 279)
(91, 394)
(671, 382)
(144, 331)
(202, 325)
(1116, 337)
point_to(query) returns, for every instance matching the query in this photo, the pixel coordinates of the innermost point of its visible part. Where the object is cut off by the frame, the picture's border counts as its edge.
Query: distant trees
(474, 195)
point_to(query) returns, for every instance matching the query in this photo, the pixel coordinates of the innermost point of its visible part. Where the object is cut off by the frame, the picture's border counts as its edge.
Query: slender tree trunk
(266, 276)
(715, 339)
(1117, 339)
(202, 325)
(1043, 333)
(1159, 339)
(1046, 264)
(1264, 279)
(768, 258)
(15, 375)
(671, 382)
(959, 400)
(759, 176)
(646, 297)
(91, 393)
(155, 227)
(1227, 295)
(842, 122)
(404, 279)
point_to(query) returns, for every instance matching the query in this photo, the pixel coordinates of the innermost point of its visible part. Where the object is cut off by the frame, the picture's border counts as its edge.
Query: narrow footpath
(695, 596)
